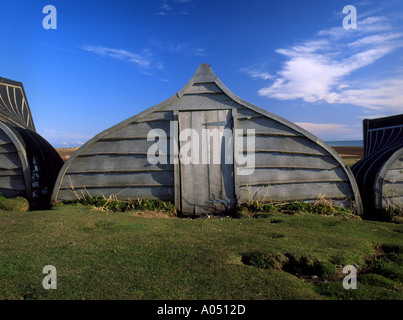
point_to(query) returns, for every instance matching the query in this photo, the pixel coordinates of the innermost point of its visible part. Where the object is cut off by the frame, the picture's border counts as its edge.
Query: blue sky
(109, 60)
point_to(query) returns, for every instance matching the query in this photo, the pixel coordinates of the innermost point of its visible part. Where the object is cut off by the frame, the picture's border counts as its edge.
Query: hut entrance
(206, 153)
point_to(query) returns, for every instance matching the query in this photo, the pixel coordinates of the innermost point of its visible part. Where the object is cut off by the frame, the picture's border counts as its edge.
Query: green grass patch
(14, 204)
(113, 204)
(256, 209)
(122, 255)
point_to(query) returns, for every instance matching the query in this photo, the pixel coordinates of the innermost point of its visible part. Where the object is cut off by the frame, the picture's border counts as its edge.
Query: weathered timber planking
(278, 175)
(398, 164)
(127, 146)
(266, 125)
(12, 182)
(90, 180)
(157, 116)
(198, 88)
(106, 163)
(11, 172)
(295, 191)
(7, 148)
(204, 184)
(280, 160)
(392, 189)
(11, 193)
(4, 139)
(247, 114)
(394, 202)
(163, 193)
(203, 102)
(394, 175)
(138, 130)
(297, 145)
(10, 161)
(192, 176)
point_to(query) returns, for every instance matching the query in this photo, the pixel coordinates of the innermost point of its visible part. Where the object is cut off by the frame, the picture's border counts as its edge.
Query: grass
(123, 255)
(322, 206)
(112, 203)
(14, 204)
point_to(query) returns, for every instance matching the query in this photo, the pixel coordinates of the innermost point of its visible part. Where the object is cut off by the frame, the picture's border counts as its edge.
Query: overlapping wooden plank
(163, 178)
(266, 125)
(203, 102)
(12, 182)
(4, 139)
(127, 146)
(296, 191)
(276, 175)
(394, 175)
(392, 189)
(115, 163)
(7, 148)
(11, 172)
(297, 145)
(157, 116)
(397, 164)
(10, 161)
(11, 193)
(163, 193)
(198, 88)
(247, 114)
(280, 160)
(138, 130)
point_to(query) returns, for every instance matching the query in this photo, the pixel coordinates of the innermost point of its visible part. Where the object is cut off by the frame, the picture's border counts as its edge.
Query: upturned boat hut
(207, 150)
(379, 174)
(29, 165)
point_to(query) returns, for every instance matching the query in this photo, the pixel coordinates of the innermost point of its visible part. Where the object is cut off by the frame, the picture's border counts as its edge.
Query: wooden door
(207, 180)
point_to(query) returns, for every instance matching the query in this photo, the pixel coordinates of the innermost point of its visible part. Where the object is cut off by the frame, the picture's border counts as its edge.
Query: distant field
(350, 151)
(65, 153)
(350, 154)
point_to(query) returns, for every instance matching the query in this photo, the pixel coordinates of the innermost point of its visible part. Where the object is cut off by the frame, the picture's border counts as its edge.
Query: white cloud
(142, 61)
(333, 131)
(325, 128)
(186, 49)
(256, 73)
(382, 95)
(318, 70)
(175, 7)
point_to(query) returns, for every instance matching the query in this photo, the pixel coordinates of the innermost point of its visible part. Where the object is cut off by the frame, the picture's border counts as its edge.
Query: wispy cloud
(333, 131)
(319, 69)
(187, 49)
(325, 128)
(175, 7)
(144, 61)
(184, 48)
(256, 73)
